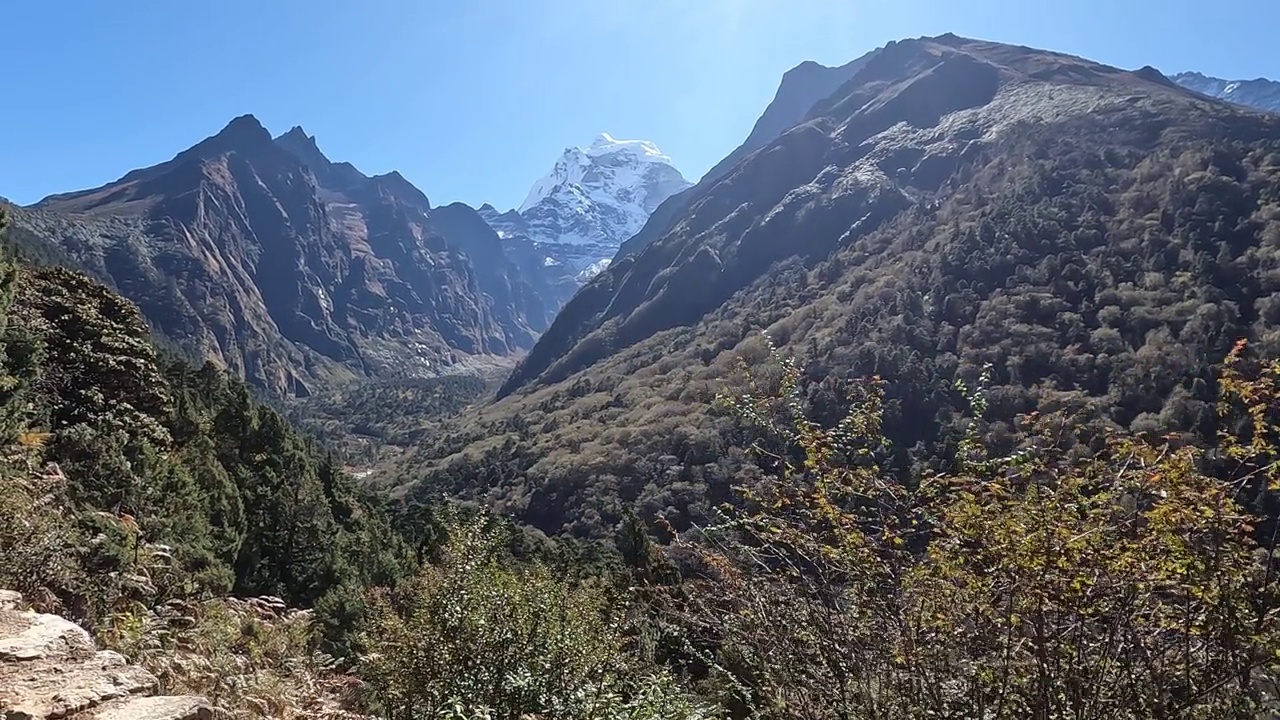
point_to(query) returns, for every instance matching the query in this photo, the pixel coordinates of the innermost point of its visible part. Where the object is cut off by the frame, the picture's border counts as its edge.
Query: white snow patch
(605, 144)
(617, 163)
(592, 201)
(594, 269)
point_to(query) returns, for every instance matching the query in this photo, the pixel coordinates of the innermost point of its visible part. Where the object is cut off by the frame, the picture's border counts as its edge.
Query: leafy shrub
(36, 537)
(475, 636)
(254, 657)
(1124, 582)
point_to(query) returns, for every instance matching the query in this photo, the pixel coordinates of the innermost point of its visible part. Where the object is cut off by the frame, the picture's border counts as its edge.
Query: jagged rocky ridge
(293, 270)
(594, 199)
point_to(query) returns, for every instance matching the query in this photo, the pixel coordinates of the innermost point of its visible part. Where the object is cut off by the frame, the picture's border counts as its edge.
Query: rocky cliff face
(593, 200)
(293, 270)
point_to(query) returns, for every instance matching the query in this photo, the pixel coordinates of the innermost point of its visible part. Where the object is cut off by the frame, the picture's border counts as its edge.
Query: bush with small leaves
(477, 635)
(1136, 581)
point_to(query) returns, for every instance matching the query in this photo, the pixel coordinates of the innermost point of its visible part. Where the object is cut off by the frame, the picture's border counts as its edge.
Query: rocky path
(50, 668)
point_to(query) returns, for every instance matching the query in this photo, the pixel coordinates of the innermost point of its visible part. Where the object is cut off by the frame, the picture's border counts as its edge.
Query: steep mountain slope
(1259, 93)
(293, 270)
(801, 88)
(592, 200)
(1097, 237)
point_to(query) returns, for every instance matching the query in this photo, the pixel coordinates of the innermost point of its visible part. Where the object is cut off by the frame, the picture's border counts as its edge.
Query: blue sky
(474, 99)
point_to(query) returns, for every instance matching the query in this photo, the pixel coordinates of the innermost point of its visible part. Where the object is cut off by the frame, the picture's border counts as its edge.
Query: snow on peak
(593, 200)
(1259, 93)
(593, 269)
(643, 149)
(607, 162)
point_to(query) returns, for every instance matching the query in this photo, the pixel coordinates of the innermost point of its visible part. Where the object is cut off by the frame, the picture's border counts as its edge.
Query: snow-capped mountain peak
(593, 199)
(1259, 93)
(605, 144)
(607, 164)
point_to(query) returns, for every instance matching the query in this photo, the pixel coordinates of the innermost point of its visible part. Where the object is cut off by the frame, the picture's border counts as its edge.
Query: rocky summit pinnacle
(591, 201)
(242, 133)
(245, 129)
(298, 142)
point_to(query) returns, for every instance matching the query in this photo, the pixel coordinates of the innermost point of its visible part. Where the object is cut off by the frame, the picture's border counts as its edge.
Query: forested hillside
(185, 454)
(1097, 237)
(369, 423)
(188, 526)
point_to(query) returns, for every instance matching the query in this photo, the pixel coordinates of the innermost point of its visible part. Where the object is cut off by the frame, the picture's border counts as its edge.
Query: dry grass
(255, 657)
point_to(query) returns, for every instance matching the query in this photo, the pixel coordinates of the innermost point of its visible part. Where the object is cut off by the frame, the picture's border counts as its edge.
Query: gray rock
(50, 668)
(36, 636)
(54, 691)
